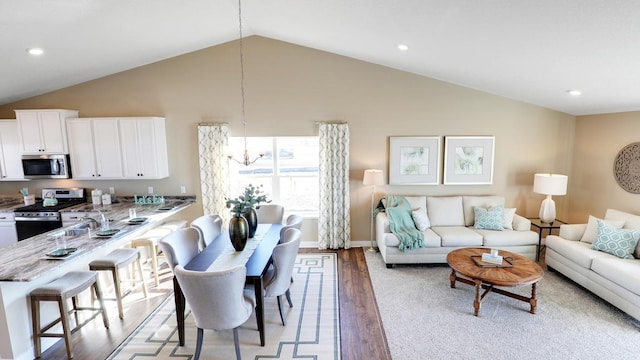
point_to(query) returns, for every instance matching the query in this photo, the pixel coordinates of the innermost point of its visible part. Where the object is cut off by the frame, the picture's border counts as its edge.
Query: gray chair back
(270, 214)
(278, 277)
(209, 227)
(293, 221)
(180, 246)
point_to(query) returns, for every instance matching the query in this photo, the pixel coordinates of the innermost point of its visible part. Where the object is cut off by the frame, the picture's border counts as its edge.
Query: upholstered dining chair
(180, 246)
(270, 214)
(293, 221)
(209, 227)
(278, 276)
(218, 300)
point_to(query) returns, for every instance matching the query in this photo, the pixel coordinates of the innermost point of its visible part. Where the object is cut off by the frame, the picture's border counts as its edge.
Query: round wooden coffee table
(523, 272)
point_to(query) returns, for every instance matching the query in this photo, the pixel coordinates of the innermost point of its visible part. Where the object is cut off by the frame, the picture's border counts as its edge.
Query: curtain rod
(212, 123)
(330, 122)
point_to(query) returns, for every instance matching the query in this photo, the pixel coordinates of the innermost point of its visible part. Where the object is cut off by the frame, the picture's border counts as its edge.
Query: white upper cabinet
(144, 148)
(94, 148)
(43, 131)
(10, 152)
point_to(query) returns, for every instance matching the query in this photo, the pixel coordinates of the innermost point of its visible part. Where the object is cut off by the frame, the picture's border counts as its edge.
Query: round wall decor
(626, 168)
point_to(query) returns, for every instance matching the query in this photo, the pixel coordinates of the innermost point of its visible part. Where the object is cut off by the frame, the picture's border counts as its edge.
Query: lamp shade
(372, 177)
(550, 184)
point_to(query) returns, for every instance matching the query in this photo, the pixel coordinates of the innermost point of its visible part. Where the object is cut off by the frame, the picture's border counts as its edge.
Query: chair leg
(154, 263)
(288, 293)
(237, 343)
(281, 308)
(144, 284)
(198, 344)
(103, 309)
(66, 329)
(116, 287)
(35, 316)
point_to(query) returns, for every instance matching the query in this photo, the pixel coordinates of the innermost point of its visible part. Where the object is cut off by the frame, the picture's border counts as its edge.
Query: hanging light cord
(245, 161)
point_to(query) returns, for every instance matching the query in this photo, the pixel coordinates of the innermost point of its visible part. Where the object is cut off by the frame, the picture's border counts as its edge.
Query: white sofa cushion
(507, 220)
(625, 273)
(470, 201)
(508, 238)
(431, 239)
(577, 251)
(420, 219)
(445, 210)
(592, 228)
(457, 236)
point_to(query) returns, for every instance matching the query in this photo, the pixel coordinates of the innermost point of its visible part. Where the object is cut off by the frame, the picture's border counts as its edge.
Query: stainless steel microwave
(46, 166)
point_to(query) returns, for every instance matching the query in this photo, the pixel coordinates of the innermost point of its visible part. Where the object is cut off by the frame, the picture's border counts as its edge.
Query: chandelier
(246, 160)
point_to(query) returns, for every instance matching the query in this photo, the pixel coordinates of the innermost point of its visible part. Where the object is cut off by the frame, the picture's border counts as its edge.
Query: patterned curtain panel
(334, 223)
(214, 169)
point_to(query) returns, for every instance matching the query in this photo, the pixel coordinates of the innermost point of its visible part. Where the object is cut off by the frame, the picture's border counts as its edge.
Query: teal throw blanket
(401, 223)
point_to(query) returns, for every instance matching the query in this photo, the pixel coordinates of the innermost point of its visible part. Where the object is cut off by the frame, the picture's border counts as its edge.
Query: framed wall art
(414, 160)
(468, 160)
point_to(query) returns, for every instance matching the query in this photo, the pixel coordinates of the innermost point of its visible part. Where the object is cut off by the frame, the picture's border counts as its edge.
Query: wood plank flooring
(362, 335)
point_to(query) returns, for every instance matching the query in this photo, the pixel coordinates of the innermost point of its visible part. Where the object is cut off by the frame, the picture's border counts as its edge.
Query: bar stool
(149, 241)
(114, 262)
(60, 290)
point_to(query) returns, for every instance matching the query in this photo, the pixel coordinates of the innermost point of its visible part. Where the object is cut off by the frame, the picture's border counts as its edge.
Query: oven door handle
(36, 218)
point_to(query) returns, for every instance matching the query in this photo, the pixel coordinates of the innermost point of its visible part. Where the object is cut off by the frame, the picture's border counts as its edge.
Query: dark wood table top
(523, 272)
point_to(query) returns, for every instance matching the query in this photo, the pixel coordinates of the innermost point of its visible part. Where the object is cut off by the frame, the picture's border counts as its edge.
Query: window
(290, 178)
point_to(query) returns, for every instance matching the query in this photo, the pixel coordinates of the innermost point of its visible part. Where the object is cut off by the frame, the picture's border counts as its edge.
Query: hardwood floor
(362, 335)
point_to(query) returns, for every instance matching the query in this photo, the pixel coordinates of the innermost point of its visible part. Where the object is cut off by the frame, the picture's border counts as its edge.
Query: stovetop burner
(39, 207)
(65, 198)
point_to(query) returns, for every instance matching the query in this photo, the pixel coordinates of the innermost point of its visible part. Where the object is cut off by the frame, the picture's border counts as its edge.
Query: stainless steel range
(44, 215)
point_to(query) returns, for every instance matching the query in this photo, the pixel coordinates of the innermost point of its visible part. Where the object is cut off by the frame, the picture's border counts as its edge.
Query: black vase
(252, 220)
(238, 232)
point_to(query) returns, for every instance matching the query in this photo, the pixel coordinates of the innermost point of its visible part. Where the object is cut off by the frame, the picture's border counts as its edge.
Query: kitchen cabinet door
(43, 131)
(144, 148)
(94, 148)
(10, 152)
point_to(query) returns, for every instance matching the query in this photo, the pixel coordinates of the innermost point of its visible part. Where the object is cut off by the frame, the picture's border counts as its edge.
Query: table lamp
(372, 177)
(549, 184)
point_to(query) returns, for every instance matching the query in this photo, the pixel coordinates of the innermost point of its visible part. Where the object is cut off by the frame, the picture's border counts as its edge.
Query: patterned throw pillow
(489, 219)
(618, 242)
(421, 219)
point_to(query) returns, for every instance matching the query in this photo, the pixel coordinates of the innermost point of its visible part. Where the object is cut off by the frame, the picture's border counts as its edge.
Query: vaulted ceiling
(529, 50)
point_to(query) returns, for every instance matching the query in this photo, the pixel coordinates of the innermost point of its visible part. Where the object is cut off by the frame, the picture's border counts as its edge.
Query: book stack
(487, 257)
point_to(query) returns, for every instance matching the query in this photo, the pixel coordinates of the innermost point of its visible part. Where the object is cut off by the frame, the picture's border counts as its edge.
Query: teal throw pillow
(489, 219)
(619, 242)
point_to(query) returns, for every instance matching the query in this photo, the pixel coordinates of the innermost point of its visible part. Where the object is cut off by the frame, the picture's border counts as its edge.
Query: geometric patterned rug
(312, 331)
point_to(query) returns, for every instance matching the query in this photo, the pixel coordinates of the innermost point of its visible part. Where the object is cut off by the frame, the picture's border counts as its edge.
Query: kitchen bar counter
(10, 203)
(24, 267)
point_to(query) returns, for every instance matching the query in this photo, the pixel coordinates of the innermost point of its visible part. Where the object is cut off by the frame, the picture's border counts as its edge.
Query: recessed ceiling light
(574, 92)
(35, 51)
(403, 47)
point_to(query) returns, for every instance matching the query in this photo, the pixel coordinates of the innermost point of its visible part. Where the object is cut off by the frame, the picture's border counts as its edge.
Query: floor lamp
(549, 184)
(372, 177)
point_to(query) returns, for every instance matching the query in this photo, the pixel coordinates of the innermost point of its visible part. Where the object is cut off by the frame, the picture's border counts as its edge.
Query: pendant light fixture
(246, 160)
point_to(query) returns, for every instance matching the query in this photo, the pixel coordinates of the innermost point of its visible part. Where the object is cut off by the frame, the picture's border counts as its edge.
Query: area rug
(424, 318)
(312, 330)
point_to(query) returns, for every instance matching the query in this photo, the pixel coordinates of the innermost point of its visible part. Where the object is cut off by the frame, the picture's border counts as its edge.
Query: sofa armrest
(521, 223)
(572, 232)
(382, 227)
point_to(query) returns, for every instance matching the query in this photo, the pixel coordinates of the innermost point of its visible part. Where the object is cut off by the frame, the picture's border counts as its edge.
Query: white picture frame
(414, 160)
(468, 160)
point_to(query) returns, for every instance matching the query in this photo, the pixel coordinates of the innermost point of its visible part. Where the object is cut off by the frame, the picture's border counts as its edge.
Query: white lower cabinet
(94, 148)
(8, 229)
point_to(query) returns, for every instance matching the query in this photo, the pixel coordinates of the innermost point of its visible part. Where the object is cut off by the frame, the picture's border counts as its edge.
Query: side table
(540, 225)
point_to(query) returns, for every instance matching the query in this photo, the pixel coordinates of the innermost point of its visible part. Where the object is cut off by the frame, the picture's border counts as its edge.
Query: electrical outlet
(150, 190)
(183, 189)
(112, 190)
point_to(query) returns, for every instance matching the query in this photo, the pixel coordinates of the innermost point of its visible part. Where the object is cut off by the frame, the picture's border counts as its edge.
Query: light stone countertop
(10, 203)
(27, 260)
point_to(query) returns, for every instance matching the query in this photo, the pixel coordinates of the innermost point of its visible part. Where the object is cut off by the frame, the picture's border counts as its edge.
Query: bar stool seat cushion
(71, 284)
(117, 258)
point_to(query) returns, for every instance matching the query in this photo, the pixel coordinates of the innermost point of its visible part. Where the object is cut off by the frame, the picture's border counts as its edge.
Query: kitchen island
(25, 266)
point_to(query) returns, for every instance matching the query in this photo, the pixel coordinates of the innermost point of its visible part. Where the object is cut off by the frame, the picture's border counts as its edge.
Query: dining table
(220, 255)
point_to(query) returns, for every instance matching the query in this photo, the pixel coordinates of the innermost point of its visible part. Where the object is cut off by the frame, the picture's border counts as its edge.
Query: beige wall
(593, 187)
(289, 88)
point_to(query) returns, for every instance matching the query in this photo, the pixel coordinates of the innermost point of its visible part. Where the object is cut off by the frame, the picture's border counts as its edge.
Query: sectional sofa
(453, 225)
(614, 279)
